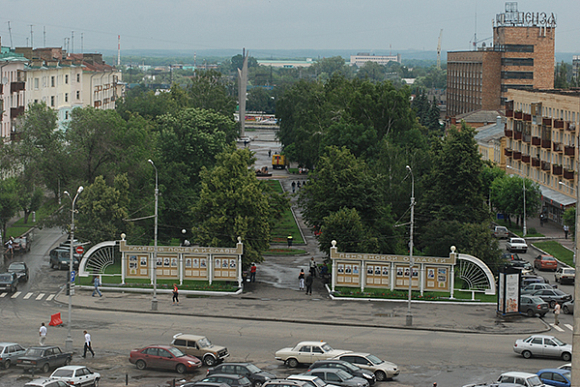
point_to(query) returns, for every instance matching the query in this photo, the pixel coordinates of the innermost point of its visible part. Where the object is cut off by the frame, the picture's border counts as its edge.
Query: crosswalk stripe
(50, 297)
(26, 297)
(569, 327)
(39, 297)
(2, 295)
(557, 328)
(15, 295)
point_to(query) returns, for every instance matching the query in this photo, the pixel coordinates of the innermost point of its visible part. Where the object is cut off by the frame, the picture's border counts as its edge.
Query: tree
(237, 62)
(570, 220)
(209, 90)
(345, 226)
(8, 202)
(371, 71)
(232, 204)
(260, 100)
(561, 76)
(508, 196)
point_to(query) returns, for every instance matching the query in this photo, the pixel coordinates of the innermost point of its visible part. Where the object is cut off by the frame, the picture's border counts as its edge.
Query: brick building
(522, 57)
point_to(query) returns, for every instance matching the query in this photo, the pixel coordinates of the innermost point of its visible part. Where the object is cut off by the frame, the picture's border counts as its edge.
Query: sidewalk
(551, 231)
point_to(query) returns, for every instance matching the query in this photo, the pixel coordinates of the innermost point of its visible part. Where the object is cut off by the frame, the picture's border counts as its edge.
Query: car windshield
(5, 278)
(244, 381)
(204, 343)
(318, 382)
(558, 341)
(326, 348)
(350, 367)
(343, 374)
(62, 373)
(567, 375)
(176, 352)
(548, 258)
(253, 369)
(536, 300)
(16, 266)
(569, 271)
(535, 381)
(34, 352)
(375, 360)
(559, 292)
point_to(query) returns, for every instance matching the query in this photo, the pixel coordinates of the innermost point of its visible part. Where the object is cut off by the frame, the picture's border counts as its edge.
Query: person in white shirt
(88, 344)
(42, 333)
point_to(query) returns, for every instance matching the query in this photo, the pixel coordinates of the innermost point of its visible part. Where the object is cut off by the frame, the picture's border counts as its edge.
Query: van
(500, 232)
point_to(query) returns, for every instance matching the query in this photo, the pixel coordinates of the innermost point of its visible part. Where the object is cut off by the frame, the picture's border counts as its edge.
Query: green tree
(232, 204)
(260, 100)
(328, 67)
(237, 62)
(561, 76)
(9, 202)
(210, 90)
(371, 71)
(570, 220)
(508, 196)
(345, 226)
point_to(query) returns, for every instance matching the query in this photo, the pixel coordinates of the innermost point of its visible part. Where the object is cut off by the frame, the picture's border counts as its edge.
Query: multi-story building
(542, 132)
(362, 57)
(576, 66)
(491, 142)
(12, 89)
(100, 81)
(522, 57)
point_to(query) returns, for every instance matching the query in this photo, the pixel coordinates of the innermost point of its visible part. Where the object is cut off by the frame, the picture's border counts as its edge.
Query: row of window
(517, 61)
(517, 75)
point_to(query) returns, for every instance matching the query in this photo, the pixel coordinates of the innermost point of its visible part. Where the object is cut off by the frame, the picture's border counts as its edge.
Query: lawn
(19, 227)
(287, 224)
(415, 295)
(518, 229)
(557, 250)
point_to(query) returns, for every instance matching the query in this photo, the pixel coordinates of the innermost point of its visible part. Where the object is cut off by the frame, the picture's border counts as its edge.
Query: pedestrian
(253, 273)
(42, 333)
(298, 185)
(269, 152)
(542, 220)
(293, 187)
(434, 384)
(175, 294)
(312, 267)
(566, 229)
(557, 314)
(97, 283)
(289, 239)
(88, 344)
(10, 247)
(309, 281)
(301, 279)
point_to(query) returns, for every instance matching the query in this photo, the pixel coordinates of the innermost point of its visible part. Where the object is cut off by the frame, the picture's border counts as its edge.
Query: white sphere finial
(333, 243)
(123, 236)
(453, 248)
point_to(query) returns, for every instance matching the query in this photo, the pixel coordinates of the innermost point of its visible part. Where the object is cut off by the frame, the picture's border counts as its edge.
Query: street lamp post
(68, 344)
(524, 190)
(154, 300)
(409, 320)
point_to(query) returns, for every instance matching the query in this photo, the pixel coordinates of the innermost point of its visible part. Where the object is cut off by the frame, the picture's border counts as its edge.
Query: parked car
(338, 377)
(286, 383)
(346, 366)
(543, 346)
(551, 296)
(313, 381)
(528, 279)
(530, 306)
(20, 269)
(545, 262)
(8, 282)
(565, 274)
(201, 383)
(231, 380)
(60, 257)
(531, 288)
(510, 257)
(517, 244)
(44, 382)
(22, 243)
(77, 376)
(256, 375)
(568, 307)
(520, 378)
(9, 352)
(567, 366)
(556, 377)
(44, 358)
(383, 370)
(307, 352)
(500, 232)
(200, 347)
(163, 357)
(524, 266)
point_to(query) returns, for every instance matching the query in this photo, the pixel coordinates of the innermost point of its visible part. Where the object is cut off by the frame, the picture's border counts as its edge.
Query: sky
(376, 26)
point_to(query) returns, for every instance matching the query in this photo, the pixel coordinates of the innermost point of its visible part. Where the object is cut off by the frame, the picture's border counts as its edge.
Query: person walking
(301, 279)
(88, 345)
(97, 283)
(293, 187)
(557, 314)
(312, 267)
(10, 247)
(253, 269)
(42, 333)
(566, 230)
(175, 294)
(309, 281)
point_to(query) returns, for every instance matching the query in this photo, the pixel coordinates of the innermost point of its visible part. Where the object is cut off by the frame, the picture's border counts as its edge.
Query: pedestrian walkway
(28, 296)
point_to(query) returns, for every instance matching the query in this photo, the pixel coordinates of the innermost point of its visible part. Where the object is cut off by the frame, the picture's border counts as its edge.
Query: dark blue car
(556, 377)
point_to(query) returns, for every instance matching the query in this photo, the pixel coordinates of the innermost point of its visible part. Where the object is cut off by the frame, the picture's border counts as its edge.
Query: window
(517, 75)
(65, 97)
(517, 47)
(52, 101)
(517, 61)
(78, 78)
(36, 82)
(78, 95)
(66, 79)
(52, 81)
(180, 342)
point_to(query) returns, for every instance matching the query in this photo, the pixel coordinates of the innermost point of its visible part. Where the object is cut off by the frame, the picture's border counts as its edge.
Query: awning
(555, 198)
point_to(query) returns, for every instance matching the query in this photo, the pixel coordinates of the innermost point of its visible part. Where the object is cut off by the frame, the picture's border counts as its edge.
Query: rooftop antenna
(10, 32)
(118, 50)
(31, 37)
(72, 36)
(44, 36)
(439, 51)
(82, 42)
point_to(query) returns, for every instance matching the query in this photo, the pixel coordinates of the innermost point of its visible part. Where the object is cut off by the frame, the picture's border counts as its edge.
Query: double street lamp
(154, 300)
(409, 320)
(69, 341)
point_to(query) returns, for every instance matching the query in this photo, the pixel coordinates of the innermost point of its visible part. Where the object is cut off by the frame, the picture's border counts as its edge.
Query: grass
(144, 283)
(380, 293)
(19, 227)
(518, 230)
(287, 224)
(557, 250)
(285, 252)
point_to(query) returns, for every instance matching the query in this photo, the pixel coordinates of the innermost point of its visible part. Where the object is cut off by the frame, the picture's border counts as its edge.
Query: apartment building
(101, 82)
(542, 132)
(521, 57)
(12, 89)
(362, 57)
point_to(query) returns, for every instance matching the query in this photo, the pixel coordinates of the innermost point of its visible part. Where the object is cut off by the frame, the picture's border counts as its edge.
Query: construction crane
(439, 50)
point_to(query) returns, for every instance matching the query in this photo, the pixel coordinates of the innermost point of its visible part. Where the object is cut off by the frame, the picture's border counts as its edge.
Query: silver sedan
(543, 346)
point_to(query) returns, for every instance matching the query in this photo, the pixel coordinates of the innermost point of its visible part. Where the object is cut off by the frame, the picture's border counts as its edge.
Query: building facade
(100, 81)
(542, 132)
(522, 57)
(362, 57)
(12, 90)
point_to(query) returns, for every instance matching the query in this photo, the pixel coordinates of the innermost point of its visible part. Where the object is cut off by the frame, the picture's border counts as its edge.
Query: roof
(311, 343)
(489, 132)
(557, 197)
(479, 116)
(520, 374)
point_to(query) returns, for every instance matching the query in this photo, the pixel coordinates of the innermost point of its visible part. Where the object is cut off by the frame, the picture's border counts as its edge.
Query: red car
(163, 357)
(545, 262)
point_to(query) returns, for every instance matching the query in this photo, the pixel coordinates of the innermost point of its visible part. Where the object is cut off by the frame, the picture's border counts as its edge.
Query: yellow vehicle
(278, 161)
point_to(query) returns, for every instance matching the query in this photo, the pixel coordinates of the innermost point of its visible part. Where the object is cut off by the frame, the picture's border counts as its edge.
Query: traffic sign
(80, 249)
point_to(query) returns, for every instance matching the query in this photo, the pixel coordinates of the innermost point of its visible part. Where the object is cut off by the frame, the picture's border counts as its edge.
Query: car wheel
(292, 363)
(59, 266)
(45, 368)
(381, 376)
(552, 304)
(180, 369)
(526, 354)
(566, 356)
(566, 310)
(209, 361)
(67, 361)
(555, 279)
(96, 383)
(531, 313)
(140, 365)
(7, 364)
(258, 383)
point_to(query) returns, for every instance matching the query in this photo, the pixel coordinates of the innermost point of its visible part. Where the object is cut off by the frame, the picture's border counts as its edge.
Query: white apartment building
(12, 90)
(100, 81)
(362, 57)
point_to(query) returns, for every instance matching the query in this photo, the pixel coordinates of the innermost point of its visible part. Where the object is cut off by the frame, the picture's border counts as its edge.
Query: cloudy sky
(362, 25)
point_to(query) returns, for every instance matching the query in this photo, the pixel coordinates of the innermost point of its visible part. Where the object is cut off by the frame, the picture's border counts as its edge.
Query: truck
(278, 161)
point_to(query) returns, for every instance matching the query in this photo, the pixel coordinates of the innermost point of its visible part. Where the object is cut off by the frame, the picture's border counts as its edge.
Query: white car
(543, 346)
(307, 352)
(565, 274)
(383, 370)
(522, 378)
(77, 375)
(313, 381)
(517, 244)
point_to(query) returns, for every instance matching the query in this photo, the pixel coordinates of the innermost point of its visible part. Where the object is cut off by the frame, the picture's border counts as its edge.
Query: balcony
(535, 161)
(536, 141)
(509, 113)
(518, 115)
(526, 159)
(508, 152)
(558, 124)
(547, 121)
(16, 112)
(569, 150)
(517, 155)
(527, 138)
(557, 170)
(15, 87)
(571, 126)
(569, 174)
(557, 147)
(508, 132)
(546, 144)
(517, 135)
(527, 117)
(545, 165)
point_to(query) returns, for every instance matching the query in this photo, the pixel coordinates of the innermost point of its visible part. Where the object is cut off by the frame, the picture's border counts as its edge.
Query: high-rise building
(521, 57)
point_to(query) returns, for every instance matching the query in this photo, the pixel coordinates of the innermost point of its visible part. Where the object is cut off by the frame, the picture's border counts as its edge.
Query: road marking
(569, 327)
(15, 295)
(39, 297)
(27, 296)
(3, 295)
(50, 297)
(557, 328)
